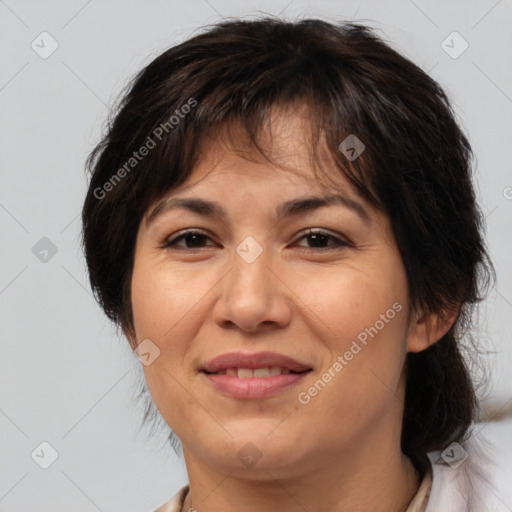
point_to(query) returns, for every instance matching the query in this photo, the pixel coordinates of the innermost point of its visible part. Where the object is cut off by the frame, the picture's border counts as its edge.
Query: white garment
(468, 488)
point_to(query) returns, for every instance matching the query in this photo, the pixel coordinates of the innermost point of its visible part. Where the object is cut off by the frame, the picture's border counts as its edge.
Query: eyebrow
(293, 207)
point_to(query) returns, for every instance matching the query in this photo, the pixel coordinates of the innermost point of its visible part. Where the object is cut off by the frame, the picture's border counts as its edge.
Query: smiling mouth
(247, 373)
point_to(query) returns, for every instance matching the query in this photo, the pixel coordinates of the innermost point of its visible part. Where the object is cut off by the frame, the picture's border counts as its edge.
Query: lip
(252, 361)
(254, 387)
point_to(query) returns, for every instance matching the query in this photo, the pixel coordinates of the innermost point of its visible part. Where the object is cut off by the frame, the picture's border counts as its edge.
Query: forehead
(246, 180)
(283, 152)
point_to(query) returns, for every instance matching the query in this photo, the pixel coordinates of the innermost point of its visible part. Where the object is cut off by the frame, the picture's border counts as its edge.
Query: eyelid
(340, 241)
(166, 242)
(326, 232)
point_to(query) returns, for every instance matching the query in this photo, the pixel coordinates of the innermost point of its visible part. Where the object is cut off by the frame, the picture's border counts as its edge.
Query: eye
(319, 238)
(191, 236)
(195, 239)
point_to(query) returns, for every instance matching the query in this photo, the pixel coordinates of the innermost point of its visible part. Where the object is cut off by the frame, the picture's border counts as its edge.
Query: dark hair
(416, 167)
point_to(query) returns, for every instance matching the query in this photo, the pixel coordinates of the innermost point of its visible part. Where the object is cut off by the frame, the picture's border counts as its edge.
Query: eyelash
(170, 243)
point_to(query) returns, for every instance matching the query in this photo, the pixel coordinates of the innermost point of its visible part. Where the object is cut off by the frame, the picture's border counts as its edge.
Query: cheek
(159, 298)
(346, 302)
(362, 315)
(160, 302)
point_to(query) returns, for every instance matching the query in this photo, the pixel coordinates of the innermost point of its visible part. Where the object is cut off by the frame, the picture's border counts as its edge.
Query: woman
(282, 221)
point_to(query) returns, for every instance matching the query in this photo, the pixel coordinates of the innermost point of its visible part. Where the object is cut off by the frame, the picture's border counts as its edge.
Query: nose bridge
(251, 273)
(251, 294)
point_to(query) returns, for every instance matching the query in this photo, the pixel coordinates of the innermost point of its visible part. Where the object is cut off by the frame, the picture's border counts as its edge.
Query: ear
(427, 329)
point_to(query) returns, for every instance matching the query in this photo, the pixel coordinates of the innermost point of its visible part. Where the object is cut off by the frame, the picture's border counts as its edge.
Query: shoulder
(175, 503)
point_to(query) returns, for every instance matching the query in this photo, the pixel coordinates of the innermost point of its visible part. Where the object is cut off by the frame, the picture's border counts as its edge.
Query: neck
(387, 483)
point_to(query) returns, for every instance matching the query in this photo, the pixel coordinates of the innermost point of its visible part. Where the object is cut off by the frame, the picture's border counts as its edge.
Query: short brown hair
(416, 167)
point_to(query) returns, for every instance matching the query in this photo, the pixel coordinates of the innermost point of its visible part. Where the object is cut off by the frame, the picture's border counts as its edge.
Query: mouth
(258, 364)
(253, 376)
(260, 373)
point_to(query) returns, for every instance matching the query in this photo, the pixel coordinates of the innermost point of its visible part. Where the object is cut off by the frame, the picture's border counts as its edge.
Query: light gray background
(65, 376)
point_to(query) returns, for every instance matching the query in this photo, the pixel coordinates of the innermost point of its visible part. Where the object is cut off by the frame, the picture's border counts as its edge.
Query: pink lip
(256, 360)
(253, 387)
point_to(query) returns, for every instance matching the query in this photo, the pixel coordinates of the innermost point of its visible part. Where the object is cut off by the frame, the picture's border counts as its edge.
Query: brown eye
(320, 240)
(193, 240)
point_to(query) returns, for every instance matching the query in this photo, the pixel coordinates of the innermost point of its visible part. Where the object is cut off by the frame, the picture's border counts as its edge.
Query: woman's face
(254, 280)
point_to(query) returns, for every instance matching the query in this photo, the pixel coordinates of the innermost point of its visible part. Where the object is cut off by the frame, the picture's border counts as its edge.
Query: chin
(255, 450)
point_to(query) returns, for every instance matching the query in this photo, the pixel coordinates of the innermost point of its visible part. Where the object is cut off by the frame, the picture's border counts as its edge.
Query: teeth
(247, 373)
(261, 372)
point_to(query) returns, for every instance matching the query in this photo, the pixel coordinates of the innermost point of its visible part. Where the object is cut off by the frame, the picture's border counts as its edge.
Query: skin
(339, 452)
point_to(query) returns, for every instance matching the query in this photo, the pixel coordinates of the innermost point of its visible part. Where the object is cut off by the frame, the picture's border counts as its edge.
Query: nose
(253, 296)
